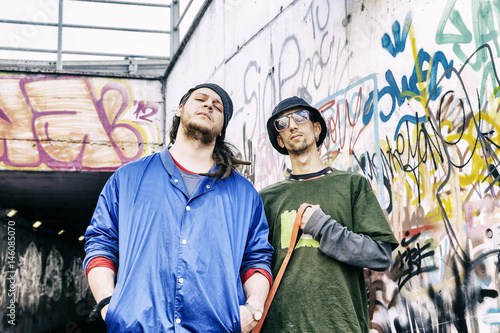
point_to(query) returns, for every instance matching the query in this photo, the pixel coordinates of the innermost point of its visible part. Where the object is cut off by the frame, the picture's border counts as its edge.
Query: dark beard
(197, 133)
(298, 150)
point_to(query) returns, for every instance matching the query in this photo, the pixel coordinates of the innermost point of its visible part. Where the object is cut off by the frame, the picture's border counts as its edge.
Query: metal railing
(130, 59)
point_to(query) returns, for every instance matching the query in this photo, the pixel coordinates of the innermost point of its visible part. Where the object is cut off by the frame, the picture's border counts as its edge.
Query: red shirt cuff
(99, 262)
(252, 271)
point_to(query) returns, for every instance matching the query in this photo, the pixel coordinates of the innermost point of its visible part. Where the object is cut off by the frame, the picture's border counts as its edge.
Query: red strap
(277, 280)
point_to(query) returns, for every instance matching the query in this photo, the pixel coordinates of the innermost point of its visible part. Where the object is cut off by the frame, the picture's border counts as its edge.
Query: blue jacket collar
(174, 172)
(169, 163)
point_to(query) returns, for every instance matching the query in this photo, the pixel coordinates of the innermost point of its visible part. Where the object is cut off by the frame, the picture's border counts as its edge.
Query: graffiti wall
(42, 284)
(77, 122)
(410, 93)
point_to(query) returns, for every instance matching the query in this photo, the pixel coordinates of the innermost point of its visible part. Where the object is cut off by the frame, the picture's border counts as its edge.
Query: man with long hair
(179, 239)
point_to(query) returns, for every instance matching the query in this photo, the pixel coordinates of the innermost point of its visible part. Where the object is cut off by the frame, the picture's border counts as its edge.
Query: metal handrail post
(59, 36)
(174, 28)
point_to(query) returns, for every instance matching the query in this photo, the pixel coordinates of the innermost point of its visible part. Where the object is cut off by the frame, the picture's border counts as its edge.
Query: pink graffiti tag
(67, 124)
(148, 110)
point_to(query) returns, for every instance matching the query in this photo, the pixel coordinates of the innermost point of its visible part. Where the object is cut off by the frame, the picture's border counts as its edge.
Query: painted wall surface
(77, 122)
(409, 90)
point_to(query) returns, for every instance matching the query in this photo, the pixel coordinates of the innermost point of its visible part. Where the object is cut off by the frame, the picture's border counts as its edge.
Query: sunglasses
(299, 117)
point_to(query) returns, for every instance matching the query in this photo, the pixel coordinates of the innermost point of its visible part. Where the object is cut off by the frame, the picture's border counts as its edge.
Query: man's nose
(209, 105)
(292, 123)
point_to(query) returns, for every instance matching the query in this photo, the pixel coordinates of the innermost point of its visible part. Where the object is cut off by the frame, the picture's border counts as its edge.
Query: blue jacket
(179, 259)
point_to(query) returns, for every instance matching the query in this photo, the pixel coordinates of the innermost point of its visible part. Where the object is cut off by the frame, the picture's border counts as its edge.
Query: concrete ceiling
(60, 200)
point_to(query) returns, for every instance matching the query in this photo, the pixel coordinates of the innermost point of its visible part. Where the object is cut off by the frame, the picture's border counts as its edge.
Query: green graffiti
(455, 18)
(483, 27)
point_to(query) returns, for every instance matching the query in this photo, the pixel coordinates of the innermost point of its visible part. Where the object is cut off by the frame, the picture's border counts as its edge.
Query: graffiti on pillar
(82, 123)
(76, 281)
(29, 276)
(52, 280)
(41, 282)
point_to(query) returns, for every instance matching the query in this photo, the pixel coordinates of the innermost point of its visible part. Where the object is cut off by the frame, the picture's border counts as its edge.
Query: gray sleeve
(346, 246)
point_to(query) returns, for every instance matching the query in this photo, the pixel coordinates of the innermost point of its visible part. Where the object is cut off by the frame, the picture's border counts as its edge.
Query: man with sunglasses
(344, 231)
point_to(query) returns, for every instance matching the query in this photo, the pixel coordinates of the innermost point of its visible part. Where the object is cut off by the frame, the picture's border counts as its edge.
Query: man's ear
(317, 129)
(280, 141)
(179, 111)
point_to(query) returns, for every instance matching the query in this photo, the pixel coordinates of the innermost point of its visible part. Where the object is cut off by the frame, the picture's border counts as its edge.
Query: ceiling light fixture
(37, 224)
(60, 232)
(11, 213)
(81, 238)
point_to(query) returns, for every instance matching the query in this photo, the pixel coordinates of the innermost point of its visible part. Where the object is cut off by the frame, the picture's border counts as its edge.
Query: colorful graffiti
(424, 131)
(437, 178)
(77, 123)
(444, 158)
(410, 93)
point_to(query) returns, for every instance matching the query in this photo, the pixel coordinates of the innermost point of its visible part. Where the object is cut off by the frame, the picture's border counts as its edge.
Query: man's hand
(256, 289)
(247, 322)
(307, 214)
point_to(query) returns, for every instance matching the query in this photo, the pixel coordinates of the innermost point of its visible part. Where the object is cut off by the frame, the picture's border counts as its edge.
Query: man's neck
(306, 163)
(192, 155)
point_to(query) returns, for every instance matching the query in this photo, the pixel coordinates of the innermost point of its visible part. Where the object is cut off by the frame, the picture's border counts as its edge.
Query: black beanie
(227, 103)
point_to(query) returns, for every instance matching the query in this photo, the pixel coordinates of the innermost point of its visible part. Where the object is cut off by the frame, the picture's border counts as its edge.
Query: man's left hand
(247, 322)
(307, 214)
